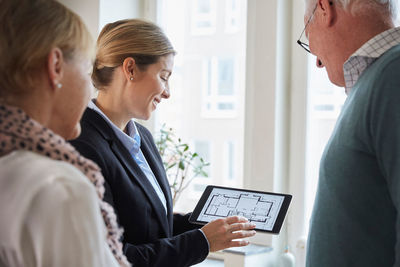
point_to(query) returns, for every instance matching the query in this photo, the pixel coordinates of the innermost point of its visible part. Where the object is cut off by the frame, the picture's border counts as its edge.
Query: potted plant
(181, 164)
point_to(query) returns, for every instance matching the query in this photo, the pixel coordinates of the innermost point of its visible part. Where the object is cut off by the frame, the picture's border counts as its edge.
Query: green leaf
(170, 166)
(181, 165)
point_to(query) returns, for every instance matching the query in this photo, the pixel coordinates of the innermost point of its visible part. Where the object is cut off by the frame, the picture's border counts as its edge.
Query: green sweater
(354, 221)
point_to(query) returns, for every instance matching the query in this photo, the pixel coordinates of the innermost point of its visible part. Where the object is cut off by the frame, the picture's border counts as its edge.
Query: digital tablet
(266, 210)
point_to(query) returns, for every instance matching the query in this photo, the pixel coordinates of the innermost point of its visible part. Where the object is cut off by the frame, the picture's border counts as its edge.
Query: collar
(131, 139)
(367, 54)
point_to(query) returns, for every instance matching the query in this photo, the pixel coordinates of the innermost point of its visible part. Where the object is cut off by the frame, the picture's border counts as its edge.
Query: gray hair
(387, 7)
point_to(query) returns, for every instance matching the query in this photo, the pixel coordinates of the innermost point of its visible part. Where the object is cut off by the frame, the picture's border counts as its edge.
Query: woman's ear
(55, 67)
(129, 68)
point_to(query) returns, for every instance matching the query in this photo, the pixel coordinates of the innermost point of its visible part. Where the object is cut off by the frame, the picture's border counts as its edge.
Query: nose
(166, 93)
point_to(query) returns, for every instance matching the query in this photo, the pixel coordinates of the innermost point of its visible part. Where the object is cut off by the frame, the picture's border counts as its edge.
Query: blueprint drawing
(261, 209)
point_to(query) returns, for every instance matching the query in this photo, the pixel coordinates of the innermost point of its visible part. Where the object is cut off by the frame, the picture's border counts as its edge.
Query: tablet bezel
(279, 220)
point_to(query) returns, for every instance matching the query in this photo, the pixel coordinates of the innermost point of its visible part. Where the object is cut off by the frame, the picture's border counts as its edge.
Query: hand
(222, 232)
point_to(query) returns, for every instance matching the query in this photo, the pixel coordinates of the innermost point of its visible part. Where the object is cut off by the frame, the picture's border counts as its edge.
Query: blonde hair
(29, 29)
(142, 40)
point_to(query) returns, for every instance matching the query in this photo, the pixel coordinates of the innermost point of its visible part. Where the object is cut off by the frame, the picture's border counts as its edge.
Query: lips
(156, 101)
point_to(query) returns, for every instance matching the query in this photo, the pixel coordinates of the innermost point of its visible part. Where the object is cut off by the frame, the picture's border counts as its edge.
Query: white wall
(88, 10)
(97, 13)
(112, 10)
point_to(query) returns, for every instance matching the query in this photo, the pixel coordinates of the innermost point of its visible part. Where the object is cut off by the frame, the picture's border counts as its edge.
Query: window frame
(214, 98)
(199, 17)
(229, 14)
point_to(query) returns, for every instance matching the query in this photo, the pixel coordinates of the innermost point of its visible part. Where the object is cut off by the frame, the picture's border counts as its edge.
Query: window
(232, 21)
(219, 97)
(206, 107)
(325, 102)
(203, 17)
(229, 161)
(203, 148)
(325, 99)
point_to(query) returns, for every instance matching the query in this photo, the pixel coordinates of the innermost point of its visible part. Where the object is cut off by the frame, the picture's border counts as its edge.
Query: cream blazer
(49, 215)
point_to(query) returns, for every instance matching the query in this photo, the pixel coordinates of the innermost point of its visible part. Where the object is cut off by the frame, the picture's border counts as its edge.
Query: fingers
(236, 219)
(242, 234)
(238, 243)
(235, 239)
(241, 226)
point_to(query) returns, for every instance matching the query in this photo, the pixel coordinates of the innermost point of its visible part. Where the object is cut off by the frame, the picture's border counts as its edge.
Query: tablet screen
(261, 208)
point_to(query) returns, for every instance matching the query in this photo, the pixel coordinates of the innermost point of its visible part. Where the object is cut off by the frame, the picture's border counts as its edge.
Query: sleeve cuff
(208, 244)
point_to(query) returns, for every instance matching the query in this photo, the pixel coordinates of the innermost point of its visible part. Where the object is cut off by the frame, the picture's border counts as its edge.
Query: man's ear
(328, 10)
(55, 67)
(129, 68)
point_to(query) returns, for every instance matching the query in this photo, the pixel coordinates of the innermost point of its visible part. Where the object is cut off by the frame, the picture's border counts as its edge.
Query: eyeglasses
(302, 44)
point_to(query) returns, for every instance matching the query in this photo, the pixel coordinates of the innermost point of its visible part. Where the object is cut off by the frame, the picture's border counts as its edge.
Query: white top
(49, 215)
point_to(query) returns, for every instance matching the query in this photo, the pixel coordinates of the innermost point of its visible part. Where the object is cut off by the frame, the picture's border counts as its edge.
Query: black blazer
(151, 237)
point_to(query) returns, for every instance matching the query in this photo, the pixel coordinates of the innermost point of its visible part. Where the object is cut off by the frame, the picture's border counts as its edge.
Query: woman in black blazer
(134, 60)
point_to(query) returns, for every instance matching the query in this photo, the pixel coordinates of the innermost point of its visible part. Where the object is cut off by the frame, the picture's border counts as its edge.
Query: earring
(131, 78)
(58, 85)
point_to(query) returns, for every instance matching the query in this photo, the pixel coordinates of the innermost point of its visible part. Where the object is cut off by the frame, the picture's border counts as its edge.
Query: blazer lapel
(136, 174)
(133, 170)
(153, 159)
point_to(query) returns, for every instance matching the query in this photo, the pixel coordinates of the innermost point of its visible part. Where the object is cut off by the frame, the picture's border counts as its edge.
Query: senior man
(355, 218)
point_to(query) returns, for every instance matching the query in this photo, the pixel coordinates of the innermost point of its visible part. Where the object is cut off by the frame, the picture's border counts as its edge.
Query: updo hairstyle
(142, 40)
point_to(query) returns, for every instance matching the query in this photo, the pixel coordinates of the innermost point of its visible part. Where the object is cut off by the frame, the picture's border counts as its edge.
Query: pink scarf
(20, 132)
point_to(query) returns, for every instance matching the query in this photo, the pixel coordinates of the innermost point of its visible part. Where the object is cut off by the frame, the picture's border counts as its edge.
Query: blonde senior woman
(51, 208)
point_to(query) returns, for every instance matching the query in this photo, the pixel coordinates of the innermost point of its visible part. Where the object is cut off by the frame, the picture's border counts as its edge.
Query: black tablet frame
(279, 220)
